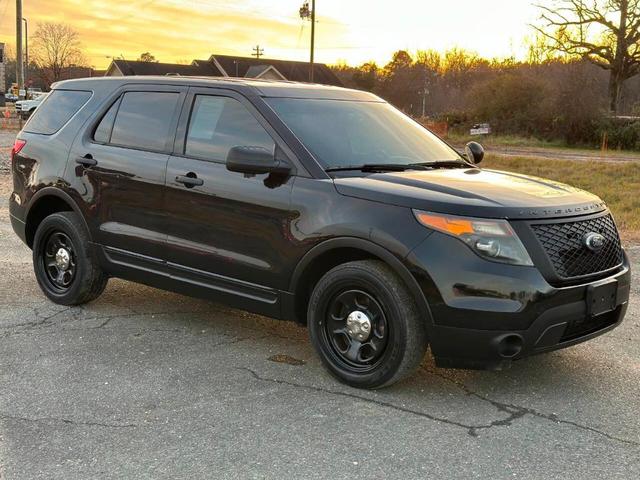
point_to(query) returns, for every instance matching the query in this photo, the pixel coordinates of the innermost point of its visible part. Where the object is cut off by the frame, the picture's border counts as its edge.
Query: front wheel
(365, 325)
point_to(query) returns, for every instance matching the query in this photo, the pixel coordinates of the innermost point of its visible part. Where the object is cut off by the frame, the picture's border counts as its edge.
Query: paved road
(147, 384)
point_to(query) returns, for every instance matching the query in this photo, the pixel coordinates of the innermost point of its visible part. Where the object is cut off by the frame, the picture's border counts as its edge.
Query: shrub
(621, 133)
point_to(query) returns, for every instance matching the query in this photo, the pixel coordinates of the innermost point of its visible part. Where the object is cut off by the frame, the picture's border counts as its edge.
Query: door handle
(189, 180)
(87, 161)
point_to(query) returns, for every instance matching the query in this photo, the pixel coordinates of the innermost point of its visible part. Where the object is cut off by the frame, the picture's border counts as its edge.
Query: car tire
(64, 261)
(365, 325)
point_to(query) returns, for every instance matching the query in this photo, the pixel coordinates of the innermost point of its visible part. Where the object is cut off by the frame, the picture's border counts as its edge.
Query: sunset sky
(347, 30)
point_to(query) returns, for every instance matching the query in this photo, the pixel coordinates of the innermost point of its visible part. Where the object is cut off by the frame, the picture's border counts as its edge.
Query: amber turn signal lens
(454, 226)
(493, 239)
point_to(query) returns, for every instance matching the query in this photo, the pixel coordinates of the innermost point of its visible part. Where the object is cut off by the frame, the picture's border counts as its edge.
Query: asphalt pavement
(148, 384)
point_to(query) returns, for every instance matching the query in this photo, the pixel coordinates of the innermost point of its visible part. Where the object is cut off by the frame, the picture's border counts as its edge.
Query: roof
(229, 66)
(128, 67)
(292, 70)
(264, 88)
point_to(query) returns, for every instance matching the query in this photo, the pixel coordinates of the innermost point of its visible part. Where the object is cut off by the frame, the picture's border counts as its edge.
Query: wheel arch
(331, 253)
(45, 202)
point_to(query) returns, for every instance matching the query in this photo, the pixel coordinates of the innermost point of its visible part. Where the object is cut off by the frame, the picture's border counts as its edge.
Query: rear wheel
(365, 325)
(64, 263)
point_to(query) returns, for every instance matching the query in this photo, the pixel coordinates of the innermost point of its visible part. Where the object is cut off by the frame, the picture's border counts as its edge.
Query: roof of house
(257, 71)
(128, 67)
(292, 70)
(232, 66)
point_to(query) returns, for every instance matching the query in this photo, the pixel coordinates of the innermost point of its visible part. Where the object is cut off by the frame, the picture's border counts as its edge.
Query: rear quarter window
(56, 110)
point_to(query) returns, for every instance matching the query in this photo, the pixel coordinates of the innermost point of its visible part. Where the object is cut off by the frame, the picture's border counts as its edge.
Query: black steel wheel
(59, 260)
(65, 265)
(356, 328)
(365, 325)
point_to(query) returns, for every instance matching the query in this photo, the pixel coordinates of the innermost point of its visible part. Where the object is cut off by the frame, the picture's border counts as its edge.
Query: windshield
(351, 133)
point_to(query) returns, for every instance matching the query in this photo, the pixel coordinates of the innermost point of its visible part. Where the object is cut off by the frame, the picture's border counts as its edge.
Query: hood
(473, 192)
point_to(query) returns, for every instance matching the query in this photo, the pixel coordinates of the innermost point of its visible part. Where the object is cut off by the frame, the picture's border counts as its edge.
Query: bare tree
(538, 50)
(56, 47)
(605, 32)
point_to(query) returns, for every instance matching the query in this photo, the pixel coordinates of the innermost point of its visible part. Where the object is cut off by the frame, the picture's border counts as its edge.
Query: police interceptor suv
(321, 205)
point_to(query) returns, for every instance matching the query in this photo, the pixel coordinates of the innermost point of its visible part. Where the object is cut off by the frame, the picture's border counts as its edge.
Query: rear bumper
(486, 315)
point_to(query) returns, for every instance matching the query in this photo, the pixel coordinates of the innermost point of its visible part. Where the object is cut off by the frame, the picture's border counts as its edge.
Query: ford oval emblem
(593, 241)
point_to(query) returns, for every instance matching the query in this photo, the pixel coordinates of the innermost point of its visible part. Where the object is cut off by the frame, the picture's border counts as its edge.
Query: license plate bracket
(602, 298)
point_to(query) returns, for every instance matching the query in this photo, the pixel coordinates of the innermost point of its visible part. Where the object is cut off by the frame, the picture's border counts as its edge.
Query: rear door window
(56, 110)
(144, 120)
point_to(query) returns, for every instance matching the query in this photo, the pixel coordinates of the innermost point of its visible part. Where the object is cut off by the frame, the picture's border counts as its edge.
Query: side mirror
(474, 152)
(255, 160)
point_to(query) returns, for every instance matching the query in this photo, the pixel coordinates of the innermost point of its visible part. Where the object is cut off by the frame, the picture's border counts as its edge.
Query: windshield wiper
(447, 164)
(381, 167)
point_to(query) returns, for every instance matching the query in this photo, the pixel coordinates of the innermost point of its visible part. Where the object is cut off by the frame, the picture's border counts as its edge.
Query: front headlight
(491, 239)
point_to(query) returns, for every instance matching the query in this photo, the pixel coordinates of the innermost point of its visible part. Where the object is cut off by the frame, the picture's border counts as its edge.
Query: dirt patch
(6, 142)
(6, 187)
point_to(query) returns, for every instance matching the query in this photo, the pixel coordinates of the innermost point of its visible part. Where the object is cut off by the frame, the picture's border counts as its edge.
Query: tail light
(17, 148)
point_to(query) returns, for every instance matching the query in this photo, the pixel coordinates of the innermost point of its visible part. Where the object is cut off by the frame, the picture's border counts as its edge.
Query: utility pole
(2, 76)
(313, 38)
(310, 14)
(258, 52)
(26, 52)
(19, 58)
(425, 92)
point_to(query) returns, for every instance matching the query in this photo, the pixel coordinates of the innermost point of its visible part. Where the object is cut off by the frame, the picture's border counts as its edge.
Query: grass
(618, 184)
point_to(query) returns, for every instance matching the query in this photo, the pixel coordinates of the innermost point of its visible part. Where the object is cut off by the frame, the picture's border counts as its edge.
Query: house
(250, 67)
(125, 68)
(230, 66)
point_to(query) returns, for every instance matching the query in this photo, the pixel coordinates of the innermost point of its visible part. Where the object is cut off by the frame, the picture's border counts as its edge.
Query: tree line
(580, 83)
(552, 98)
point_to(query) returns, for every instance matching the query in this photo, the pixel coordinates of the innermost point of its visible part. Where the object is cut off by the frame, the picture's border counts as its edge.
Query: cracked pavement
(149, 384)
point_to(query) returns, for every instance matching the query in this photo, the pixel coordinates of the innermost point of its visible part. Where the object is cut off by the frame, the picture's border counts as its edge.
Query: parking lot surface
(147, 384)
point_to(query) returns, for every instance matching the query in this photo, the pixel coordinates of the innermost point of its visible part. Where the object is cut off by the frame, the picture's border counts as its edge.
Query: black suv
(321, 205)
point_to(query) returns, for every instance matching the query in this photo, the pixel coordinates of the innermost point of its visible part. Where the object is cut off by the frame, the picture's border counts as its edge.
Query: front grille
(564, 245)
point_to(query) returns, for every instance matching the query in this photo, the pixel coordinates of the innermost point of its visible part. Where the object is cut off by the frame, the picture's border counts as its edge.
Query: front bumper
(486, 315)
